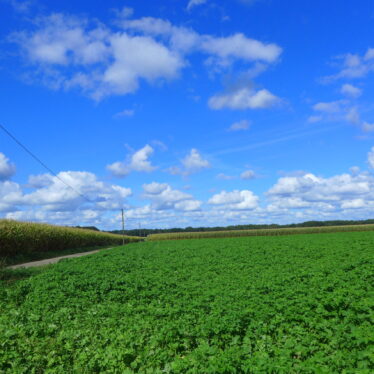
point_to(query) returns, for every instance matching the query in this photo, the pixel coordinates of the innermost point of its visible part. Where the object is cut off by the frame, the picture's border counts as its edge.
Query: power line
(41, 162)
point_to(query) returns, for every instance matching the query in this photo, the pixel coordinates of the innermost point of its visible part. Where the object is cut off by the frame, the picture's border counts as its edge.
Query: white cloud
(353, 66)
(353, 204)
(371, 158)
(138, 161)
(125, 12)
(329, 107)
(224, 49)
(155, 188)
(235, 200)
(181, 39)
(119, 169)
(86, 217)
(238, 46)
(72, 53)
(244, 98)
(296, 197)
(69, 191)
(103, 62)
(188, 205)
(194, 162)
(350, 90)
(354, 170)
(7, 169)
(322, 194)
(164, 197)
(340, 110)
(10, 196)
(248, 174)
(240, 125)
(58, 196)
(64, 40)
(353, 116)
(41, 180)
(135, 58)
(192, 3)
(149, 25)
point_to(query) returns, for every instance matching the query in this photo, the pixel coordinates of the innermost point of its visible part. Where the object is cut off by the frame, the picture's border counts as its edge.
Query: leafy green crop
(287, 304)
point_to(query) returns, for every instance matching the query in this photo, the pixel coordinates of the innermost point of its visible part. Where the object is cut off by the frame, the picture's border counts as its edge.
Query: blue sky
(187, 112)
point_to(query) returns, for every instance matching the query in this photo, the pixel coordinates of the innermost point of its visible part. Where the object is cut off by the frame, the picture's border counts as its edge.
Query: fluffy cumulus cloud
(192, 163)
(7, 168)
(350, 90)
(235, 200)
(349, 109)
(248, 174)
(330, 107)
(164, 197)
(138, 161)
(71, 189)
(296, 197)
(333, 111)
(340, 111)
(40, 180)
(101, 60)
(137, 57)
(77, 218)
(224, 49)
(244, 98)
(353, 66)
(70, 197)
(323, 195)
(238, 46)
(10, 196)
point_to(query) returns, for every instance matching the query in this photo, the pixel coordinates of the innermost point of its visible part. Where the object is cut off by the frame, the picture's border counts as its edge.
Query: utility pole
(123, 228)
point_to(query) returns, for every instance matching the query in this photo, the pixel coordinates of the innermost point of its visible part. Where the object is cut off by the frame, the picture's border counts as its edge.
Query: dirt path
(54, 260)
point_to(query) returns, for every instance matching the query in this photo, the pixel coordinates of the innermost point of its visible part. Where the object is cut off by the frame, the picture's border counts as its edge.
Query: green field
(285, 304)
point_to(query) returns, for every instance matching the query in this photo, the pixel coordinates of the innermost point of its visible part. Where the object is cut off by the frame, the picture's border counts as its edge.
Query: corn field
(23, 237)
(259, 232)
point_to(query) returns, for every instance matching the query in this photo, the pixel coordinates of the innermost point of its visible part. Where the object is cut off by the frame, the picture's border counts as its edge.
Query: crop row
(22, 237)
(259, 232)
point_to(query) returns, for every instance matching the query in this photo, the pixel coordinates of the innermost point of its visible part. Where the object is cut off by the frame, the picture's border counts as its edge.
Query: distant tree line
(145, 232)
